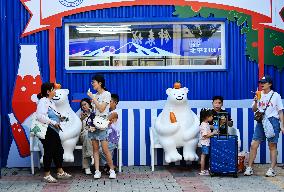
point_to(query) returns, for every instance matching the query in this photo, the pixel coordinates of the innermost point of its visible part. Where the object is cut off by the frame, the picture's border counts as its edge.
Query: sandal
(49, 179)
(63, 175)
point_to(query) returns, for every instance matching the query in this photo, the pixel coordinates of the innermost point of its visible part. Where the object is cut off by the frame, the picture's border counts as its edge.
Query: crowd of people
(98, 144)
(267, 102)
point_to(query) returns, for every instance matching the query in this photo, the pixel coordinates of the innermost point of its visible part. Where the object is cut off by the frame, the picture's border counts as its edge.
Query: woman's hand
(62, 118)
(254, 107)
(83, 116)
(255, 98)
(90, 94)
(57, 126)
(282, 127)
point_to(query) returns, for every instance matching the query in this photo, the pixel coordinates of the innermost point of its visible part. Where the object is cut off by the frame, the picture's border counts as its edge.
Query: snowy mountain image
(129, 49)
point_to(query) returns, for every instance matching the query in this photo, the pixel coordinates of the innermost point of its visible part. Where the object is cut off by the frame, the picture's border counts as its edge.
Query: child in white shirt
(206, 116)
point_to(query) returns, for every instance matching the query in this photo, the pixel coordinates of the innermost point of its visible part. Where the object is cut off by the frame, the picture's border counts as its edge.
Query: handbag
(37, 128)
(268, 128)
(100, 122)
(258, 116)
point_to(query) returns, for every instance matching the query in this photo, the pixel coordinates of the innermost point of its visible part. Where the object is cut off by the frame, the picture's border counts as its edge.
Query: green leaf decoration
(274, 40)
(205, 13)
(184, 12)
(273, 56)
(36, 129)
(243, 21)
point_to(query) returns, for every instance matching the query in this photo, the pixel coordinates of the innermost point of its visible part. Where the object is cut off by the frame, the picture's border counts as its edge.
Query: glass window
(194, 45)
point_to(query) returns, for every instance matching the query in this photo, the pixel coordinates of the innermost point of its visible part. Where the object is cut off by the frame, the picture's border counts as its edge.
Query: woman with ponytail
(53, 150)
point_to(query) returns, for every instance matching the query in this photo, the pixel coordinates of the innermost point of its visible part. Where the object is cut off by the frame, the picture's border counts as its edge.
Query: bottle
(216, 123)
(258, 95)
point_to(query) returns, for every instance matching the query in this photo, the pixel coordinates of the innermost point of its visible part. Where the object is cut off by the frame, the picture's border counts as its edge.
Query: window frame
(190, 67)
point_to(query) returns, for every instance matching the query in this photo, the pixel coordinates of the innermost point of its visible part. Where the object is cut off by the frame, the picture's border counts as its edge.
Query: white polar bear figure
(184, 132)
(71, 128)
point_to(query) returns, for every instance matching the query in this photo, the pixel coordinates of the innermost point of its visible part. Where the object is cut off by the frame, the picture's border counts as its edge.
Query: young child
(217, 108)
(206, 116)
(113, 131)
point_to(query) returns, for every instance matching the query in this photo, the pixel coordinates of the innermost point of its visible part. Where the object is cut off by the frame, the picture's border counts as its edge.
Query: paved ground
(141, 178)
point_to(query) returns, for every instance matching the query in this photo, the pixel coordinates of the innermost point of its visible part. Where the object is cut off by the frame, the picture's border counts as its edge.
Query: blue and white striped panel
(136, 140)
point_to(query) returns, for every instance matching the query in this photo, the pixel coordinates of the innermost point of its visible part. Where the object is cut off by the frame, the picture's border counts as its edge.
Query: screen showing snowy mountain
(145, 45)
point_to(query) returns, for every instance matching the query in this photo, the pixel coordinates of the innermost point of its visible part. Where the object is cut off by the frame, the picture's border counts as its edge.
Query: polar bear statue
(71, 128)
(184, 131)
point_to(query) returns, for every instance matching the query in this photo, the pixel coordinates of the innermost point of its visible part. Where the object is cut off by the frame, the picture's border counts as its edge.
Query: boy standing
(113, 130)
(217, 108)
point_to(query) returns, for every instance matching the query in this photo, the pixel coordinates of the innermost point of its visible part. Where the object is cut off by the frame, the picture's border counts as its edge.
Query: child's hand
(92, 129)
(215, 132)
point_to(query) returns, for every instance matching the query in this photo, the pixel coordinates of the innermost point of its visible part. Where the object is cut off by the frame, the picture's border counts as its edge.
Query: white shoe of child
(112, 174)
(205, 172)
(248, 172)
(88, 171)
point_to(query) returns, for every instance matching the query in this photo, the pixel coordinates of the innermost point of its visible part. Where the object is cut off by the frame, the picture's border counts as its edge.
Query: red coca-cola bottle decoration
(19, 136)
(27, 85)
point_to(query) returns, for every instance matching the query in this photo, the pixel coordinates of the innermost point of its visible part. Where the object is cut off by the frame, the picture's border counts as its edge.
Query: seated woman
(87, 148)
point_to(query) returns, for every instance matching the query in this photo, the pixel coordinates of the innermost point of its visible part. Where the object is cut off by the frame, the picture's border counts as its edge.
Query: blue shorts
(259, 134)
(205, 149)
(99, 135)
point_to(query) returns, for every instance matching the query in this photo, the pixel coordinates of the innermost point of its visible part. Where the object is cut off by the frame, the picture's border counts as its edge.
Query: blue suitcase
(224, 155)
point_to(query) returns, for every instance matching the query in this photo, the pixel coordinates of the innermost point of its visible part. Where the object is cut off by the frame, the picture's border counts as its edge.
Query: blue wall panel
(234, 83)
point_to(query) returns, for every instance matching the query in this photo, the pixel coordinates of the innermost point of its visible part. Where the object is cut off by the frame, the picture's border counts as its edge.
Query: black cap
(265, 79)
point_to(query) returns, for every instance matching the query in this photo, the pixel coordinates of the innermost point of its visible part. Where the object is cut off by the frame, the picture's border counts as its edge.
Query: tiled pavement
(141, 178)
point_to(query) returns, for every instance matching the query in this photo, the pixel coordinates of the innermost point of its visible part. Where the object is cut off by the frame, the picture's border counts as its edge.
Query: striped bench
(136, 136)
(136, 117)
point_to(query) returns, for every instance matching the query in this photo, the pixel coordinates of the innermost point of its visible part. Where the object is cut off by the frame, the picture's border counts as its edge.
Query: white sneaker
(204, 173)
(49, 179)
(248, 172)
(112, 174)
(88, 171)
(63, 175)
(97, 174)
(270, 173)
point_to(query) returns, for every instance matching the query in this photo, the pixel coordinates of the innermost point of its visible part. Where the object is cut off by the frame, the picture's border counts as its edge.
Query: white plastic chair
(34, 148)
(153, 145)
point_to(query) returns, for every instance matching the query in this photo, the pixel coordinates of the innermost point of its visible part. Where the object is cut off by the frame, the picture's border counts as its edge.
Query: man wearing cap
(271, 101)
